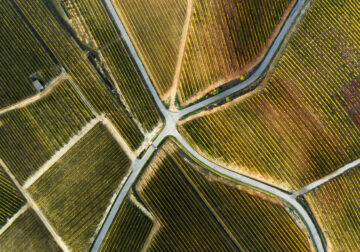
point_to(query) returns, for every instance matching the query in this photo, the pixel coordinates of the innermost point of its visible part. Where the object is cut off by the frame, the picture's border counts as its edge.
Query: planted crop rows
(119, 63)
(10, 198)
(51, 32)
(185, 220)
(101, 96)
(155, 27)
(31, 135)
(75, 192)
(336, 208)
(226, 39)
(27, 233)
(296, 129)
(200, 210)
(129, 230)
(91, 85)
(22, 56)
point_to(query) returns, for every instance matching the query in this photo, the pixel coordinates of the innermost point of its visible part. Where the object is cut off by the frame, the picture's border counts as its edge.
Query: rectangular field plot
(197, 209)
(75, 192)
(302, 123)
(31, 135)
(27, 233)
(22, 57)
(336, 207)
(10, 198)
(129, 230)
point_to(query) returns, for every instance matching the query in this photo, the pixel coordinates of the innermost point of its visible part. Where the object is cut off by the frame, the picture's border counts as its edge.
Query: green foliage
(27, 233)
(31, 135)
(75, 192)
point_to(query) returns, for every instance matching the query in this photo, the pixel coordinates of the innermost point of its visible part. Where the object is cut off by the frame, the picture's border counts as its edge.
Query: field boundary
(211, 209)
(83, 98)
(327, 178)
(180, 56)
(14, 217)
(60, 153)
(147, 213)
(32, 99)
(36, 209)
(108, 208)
(118, 138)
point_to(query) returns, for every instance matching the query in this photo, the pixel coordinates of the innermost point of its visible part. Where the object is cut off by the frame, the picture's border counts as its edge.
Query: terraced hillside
(30, 135)
(21, 62)
(226, 40)
(197, 209)
(10, 198)
(299, 126)
(335, 206)
(76, 191)
(27, 233)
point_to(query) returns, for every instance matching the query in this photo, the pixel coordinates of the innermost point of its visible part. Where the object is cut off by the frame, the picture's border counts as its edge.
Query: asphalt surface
(170, 130)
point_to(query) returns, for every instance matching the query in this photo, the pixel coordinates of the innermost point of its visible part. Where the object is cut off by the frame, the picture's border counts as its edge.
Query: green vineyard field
(27, 233)
(22, 56)
(94, 90)
(10, 198)
(200, 210)
(118, 62)
(75, 192)
(156, 27)
(31, 135)
(59, 42)
(63, 46)
(336, 208)
(298, 126)
(226, 39)
(129, 230)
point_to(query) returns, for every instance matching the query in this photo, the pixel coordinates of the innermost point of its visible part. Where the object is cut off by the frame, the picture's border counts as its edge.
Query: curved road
(170, 130)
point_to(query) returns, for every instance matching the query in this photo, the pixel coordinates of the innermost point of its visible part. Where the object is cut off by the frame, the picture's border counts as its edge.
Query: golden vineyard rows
(28, 233)
(194, 208)
(19, 60)
(31, 135)
(299, 127)
(10, 198)
(76, 191)
(123, 72)
(225, 41)
(335, 206)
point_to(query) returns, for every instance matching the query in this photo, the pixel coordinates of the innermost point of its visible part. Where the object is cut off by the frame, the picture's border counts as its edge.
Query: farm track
(31, 203)
(327, 178)
(170, 129)
(171, 118)
(58, 155)
(180, 56)
(14, 217)
(53, 84)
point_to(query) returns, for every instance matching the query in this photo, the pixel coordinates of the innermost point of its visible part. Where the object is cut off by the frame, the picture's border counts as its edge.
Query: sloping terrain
(294, 129)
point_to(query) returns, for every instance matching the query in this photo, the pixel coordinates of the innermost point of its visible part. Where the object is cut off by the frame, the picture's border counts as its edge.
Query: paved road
(170, 130)
(325, 179)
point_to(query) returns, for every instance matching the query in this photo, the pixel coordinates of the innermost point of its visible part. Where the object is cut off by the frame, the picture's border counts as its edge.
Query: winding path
(170, 130)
